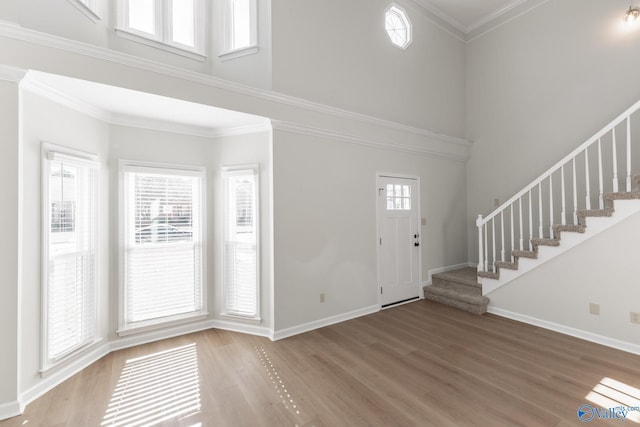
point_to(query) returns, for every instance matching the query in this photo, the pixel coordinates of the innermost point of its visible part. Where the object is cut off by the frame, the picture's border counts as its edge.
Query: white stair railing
(527, 208)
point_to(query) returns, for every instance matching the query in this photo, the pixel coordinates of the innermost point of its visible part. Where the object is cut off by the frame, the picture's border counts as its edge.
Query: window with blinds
(241, 267)
(70, 186)
(163, 211)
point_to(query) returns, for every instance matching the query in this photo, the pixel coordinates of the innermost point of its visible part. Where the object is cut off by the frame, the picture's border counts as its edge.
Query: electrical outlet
(423, 221)
(322, 297)
(635, 317)
(594, 308)
(496, 202)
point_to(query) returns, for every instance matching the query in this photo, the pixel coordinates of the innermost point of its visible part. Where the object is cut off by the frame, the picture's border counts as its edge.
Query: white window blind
(163, 247)
(241, 268)
(70, 234)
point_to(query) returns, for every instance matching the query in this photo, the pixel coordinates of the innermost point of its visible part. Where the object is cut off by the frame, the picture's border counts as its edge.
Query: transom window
(398, 26)
(176, 24)
(239, 28)
(88, 7)
(398, 197)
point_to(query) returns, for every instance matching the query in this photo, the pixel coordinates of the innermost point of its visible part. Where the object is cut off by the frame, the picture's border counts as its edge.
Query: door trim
(377, 237)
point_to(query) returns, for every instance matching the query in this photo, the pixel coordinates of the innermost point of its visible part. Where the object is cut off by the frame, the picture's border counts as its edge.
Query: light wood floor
(417, 364)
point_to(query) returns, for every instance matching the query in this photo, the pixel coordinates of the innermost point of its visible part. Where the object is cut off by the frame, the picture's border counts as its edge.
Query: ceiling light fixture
(631, 15)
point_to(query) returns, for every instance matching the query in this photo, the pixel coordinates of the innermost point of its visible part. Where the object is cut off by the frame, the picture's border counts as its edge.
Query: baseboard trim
(257, 330)
(159, 334)
(567, 330)
(58, 376)
(11, 409)
(327, 321)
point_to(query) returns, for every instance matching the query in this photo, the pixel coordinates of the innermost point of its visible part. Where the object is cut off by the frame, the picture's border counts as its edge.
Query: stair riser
(460, 287)
(476, 309)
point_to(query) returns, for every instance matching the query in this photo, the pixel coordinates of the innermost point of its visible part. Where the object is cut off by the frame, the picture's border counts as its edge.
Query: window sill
(86, 10)
(62, 361)
(233, 54)
(165, 322)
(237, 317)
(187, 53)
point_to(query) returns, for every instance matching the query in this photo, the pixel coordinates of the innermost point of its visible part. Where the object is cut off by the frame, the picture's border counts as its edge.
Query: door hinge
(380, 241)
(381, 292)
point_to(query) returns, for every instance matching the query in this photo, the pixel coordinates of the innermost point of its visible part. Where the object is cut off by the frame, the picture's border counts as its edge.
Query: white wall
(44, 120)
(63, 19)
(325, 222)
(539, 86)
(338, 53)
(9, 248)
(560, 290)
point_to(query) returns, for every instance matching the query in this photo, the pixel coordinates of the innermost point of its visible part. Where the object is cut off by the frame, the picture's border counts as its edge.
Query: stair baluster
(489, 263)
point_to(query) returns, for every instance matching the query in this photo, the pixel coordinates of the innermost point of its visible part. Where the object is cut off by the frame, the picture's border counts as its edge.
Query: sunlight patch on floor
(610, 393)
(156, 388)
(278, 383)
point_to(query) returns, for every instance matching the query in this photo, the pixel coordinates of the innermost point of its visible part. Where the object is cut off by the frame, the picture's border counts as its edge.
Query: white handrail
(487, 248)
(615, 122)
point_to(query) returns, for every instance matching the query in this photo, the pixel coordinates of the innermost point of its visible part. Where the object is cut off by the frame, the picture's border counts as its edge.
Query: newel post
(480, 252)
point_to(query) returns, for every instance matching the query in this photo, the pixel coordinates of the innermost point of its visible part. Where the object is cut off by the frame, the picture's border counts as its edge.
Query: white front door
(398, 239)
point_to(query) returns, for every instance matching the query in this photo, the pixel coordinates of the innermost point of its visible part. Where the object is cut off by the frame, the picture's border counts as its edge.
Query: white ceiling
(468, 15)
(125, 106)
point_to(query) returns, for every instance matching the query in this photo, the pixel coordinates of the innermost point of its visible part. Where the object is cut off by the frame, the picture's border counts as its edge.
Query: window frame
(52, 152)
(227, 50)
(240, 170)
(162, 39)
(402, 14)
(125, 328)
(89, 8)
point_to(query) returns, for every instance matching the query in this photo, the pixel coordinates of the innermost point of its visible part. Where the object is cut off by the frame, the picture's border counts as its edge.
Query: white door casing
(398, 239)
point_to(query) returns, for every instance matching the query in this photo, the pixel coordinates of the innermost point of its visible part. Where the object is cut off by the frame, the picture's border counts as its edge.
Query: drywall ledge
(428, 140)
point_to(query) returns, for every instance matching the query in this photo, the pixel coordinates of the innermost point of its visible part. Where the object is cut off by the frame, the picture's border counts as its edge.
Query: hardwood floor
(417, 364)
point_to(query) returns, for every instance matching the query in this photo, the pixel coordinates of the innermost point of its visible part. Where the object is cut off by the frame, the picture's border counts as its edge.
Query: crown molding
(460, 154)
(501, 17)
(91, 110)
(11, 74)
(64, 99)
(484, 25)
(14, 31)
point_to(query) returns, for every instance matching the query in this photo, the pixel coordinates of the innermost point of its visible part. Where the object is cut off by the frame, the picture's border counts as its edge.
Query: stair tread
(545, 242)
(456, 295)
(631, 195)
(525, 254)
(466, 276)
